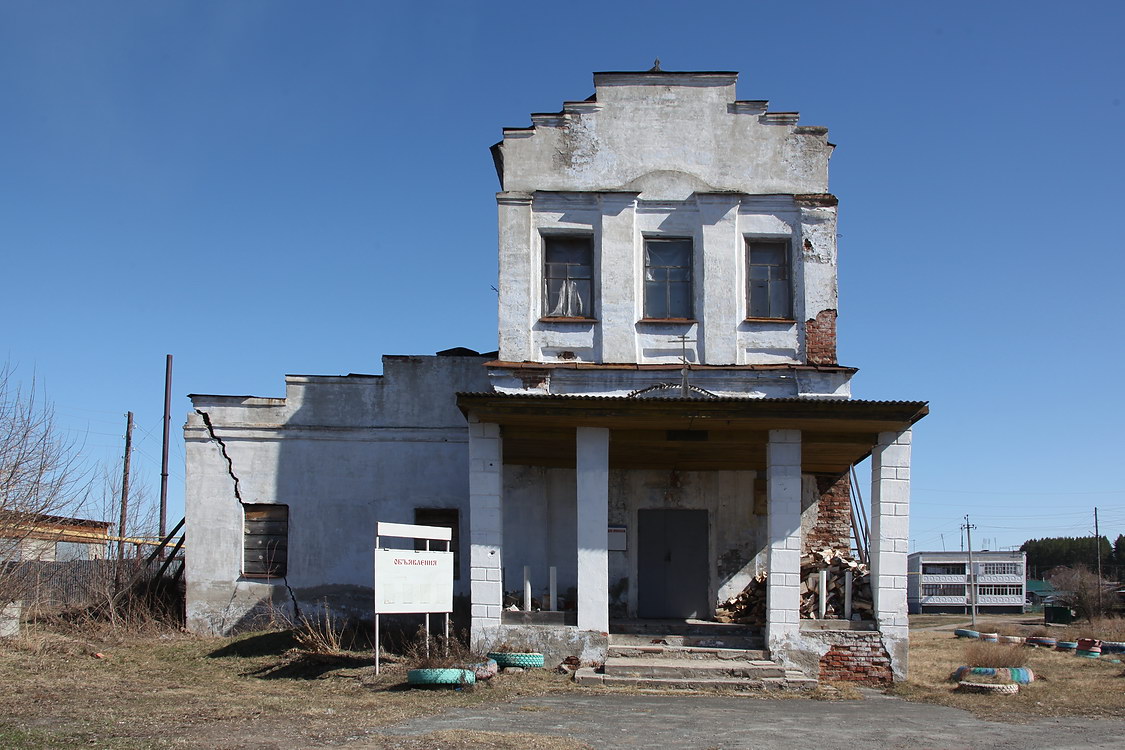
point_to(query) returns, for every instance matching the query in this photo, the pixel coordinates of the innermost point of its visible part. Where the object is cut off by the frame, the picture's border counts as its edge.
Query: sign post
(413, 581)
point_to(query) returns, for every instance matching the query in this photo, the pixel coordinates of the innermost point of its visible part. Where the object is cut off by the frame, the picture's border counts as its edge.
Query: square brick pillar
(783, 494)
(593, 533)
(486, 527)
(890, 543)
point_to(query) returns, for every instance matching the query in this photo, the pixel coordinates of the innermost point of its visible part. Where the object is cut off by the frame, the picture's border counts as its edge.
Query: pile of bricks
(857, 657)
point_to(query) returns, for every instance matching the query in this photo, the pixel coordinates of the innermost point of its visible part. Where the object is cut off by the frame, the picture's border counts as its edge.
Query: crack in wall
(238, 495)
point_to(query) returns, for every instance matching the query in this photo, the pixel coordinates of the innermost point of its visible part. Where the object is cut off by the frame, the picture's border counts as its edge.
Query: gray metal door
(672, 564)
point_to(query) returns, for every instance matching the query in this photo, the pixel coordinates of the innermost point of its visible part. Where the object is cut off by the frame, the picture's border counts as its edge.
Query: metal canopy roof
(689, 433)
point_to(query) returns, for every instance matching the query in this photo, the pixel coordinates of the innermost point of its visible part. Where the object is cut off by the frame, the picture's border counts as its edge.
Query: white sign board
(410, 581)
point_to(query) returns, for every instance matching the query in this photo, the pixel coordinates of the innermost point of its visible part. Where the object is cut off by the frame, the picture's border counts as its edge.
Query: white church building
(664, 420)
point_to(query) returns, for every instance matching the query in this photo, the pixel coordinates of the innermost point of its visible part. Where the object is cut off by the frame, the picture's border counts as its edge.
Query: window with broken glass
(568, 277)
(768, 279)
(265, 540)
(668, 291)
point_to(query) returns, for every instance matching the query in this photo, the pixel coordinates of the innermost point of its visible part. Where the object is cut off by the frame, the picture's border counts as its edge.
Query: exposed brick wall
(820, 338)
(833, 525)
(857, 657)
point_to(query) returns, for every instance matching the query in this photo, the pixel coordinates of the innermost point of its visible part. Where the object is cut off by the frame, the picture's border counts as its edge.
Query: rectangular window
(668, 278)
(265, 541)
(446, 518)
(767, 277)
(943, 569)
(943, 589)
(1000, 590)
(568, 278)
(1000, 569)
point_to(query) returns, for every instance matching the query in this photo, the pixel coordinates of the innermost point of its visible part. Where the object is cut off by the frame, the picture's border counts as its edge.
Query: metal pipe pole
(972, 576)
(164, 451)
(1098, 549)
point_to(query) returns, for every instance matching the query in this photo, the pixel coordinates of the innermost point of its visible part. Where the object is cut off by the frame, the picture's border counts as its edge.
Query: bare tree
(43, 476)
(1082, 590)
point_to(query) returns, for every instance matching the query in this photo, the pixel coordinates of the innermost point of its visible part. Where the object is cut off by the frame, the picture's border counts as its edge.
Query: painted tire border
(441, 677)
(526, 660)
(1018, 675)
(1010, 688)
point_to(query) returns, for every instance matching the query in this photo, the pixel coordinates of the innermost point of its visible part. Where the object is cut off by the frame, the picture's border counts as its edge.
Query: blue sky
(262, 188)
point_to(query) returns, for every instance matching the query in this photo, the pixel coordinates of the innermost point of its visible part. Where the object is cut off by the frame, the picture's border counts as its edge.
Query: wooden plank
(414, 531)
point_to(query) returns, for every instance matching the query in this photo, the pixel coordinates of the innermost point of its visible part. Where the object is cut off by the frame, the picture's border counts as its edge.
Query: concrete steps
(680, 663)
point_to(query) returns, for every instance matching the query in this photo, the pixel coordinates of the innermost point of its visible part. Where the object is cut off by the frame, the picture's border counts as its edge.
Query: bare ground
(171, 690)
(255, 691)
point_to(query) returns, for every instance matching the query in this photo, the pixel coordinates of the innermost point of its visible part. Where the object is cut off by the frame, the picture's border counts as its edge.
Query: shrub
(443, 653)
(982, 654)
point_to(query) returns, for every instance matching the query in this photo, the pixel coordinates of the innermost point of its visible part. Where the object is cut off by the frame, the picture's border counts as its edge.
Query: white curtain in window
(569, 303)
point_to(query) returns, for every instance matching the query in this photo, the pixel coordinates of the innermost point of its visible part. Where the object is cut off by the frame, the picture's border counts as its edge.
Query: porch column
(486, 526)
(783, 494)
(593, 521)
(890, 528)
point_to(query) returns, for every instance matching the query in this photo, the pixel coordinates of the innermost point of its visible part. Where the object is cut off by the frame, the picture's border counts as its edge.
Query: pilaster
(518, 274)
(617, 274)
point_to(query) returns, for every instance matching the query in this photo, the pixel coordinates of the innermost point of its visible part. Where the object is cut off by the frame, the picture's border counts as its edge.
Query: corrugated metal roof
(702, 400)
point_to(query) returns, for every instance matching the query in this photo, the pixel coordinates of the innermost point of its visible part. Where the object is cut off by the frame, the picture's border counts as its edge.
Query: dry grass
(1104, 628)
(175, 690)
(984, 654)
(1065, 685)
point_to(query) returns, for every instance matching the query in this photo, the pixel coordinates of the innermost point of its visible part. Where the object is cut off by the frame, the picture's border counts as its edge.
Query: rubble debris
(748, 607)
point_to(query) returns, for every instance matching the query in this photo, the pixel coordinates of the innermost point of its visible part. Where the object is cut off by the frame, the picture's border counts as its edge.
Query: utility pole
(124, 498)
(1098, 548)
(164, 451)
(968, 527)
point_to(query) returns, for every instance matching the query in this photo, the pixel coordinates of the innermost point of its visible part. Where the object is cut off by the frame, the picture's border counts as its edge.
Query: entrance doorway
(672, 564)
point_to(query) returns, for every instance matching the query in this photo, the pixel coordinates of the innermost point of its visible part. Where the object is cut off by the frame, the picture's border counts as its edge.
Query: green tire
(507, 659)
(441, 677)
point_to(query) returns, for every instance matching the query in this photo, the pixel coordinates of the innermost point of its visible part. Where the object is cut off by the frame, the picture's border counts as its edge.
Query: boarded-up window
(265, 541)
(446, 518)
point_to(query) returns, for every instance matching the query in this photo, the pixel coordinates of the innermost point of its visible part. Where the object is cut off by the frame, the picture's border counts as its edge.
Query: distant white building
(941, 581)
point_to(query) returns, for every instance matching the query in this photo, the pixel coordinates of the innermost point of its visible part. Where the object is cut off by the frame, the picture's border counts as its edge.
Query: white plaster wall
(342, 453)
(642, 125)
(674, 157)
(540, 526)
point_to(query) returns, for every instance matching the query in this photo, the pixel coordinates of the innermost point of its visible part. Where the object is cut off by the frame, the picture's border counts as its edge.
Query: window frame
(1000, 569)
(546, 238)
(689, 281)
(781, 315)
(928, 569)
(256, 535)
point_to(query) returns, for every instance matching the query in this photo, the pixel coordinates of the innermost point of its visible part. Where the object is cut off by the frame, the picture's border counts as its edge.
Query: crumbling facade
(666, 379)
